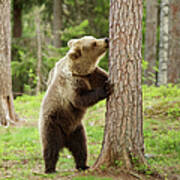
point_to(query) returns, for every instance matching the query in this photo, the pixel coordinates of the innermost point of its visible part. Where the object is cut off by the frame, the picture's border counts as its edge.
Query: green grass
(20, 150)
(91, 178)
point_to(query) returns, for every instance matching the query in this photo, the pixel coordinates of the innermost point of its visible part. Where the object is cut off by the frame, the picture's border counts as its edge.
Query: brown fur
(70, 93)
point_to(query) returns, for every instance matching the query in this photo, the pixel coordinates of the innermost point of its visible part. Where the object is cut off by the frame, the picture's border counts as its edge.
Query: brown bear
(75, 84)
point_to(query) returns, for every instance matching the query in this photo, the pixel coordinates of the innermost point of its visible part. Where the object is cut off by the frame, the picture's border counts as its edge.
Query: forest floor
(20, 150)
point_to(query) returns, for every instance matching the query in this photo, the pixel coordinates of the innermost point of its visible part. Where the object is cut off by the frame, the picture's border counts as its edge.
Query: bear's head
(85, 53)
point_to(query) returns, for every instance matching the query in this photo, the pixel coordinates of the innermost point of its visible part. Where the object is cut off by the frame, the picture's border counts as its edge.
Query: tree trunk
(163, 45)
(39, 52)
(7, 113)
(151, 40)
(57, 20)
(17, 19)
(174, 42)
(123, 136)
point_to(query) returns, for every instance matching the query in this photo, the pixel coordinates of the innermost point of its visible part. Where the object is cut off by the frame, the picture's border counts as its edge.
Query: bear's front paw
(109, 88)
(83, 168)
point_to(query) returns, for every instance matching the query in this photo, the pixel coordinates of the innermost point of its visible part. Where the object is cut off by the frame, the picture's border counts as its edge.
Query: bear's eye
(94, 44)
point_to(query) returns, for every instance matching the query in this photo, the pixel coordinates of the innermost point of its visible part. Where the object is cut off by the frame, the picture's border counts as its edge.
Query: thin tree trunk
(39, 52)
(174, 42)
(7, 112)
(163, 45)
(123, 136)
(151, 40)
(17, 19)
(57, 21)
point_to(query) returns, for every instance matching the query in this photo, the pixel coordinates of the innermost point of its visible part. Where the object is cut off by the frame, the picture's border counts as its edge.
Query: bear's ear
(71, 42)
(75, 54)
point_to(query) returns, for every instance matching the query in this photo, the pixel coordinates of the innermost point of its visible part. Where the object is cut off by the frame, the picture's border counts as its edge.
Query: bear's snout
(107, 40)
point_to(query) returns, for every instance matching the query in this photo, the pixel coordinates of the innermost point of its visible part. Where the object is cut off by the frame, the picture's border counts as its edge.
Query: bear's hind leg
(76, 143)
(53, 144)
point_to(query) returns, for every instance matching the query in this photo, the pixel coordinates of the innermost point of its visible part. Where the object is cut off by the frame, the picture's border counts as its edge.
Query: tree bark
(7, 112)
(57, 20)
(163, 45)
(123, 135)
(174, 42)
(17, 19)
(39, 52)
(151, 40)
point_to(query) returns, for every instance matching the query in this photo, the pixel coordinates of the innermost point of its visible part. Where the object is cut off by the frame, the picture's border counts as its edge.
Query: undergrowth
(20, 150)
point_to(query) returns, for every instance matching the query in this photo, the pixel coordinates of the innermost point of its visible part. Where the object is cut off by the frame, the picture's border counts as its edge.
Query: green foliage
(162, 101)
(118, 163)
(23, 68)
(162, 92)
(75, 31)
(101, 23)
(144, 65)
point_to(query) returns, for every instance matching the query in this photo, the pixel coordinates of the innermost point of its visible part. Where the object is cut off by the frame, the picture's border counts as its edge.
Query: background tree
(57, 21)
(151, 40)
(17, 19)
(123, 137)
(164, 45)
(39, 51)
(19, 7)
(174, 42)
(7, 113)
